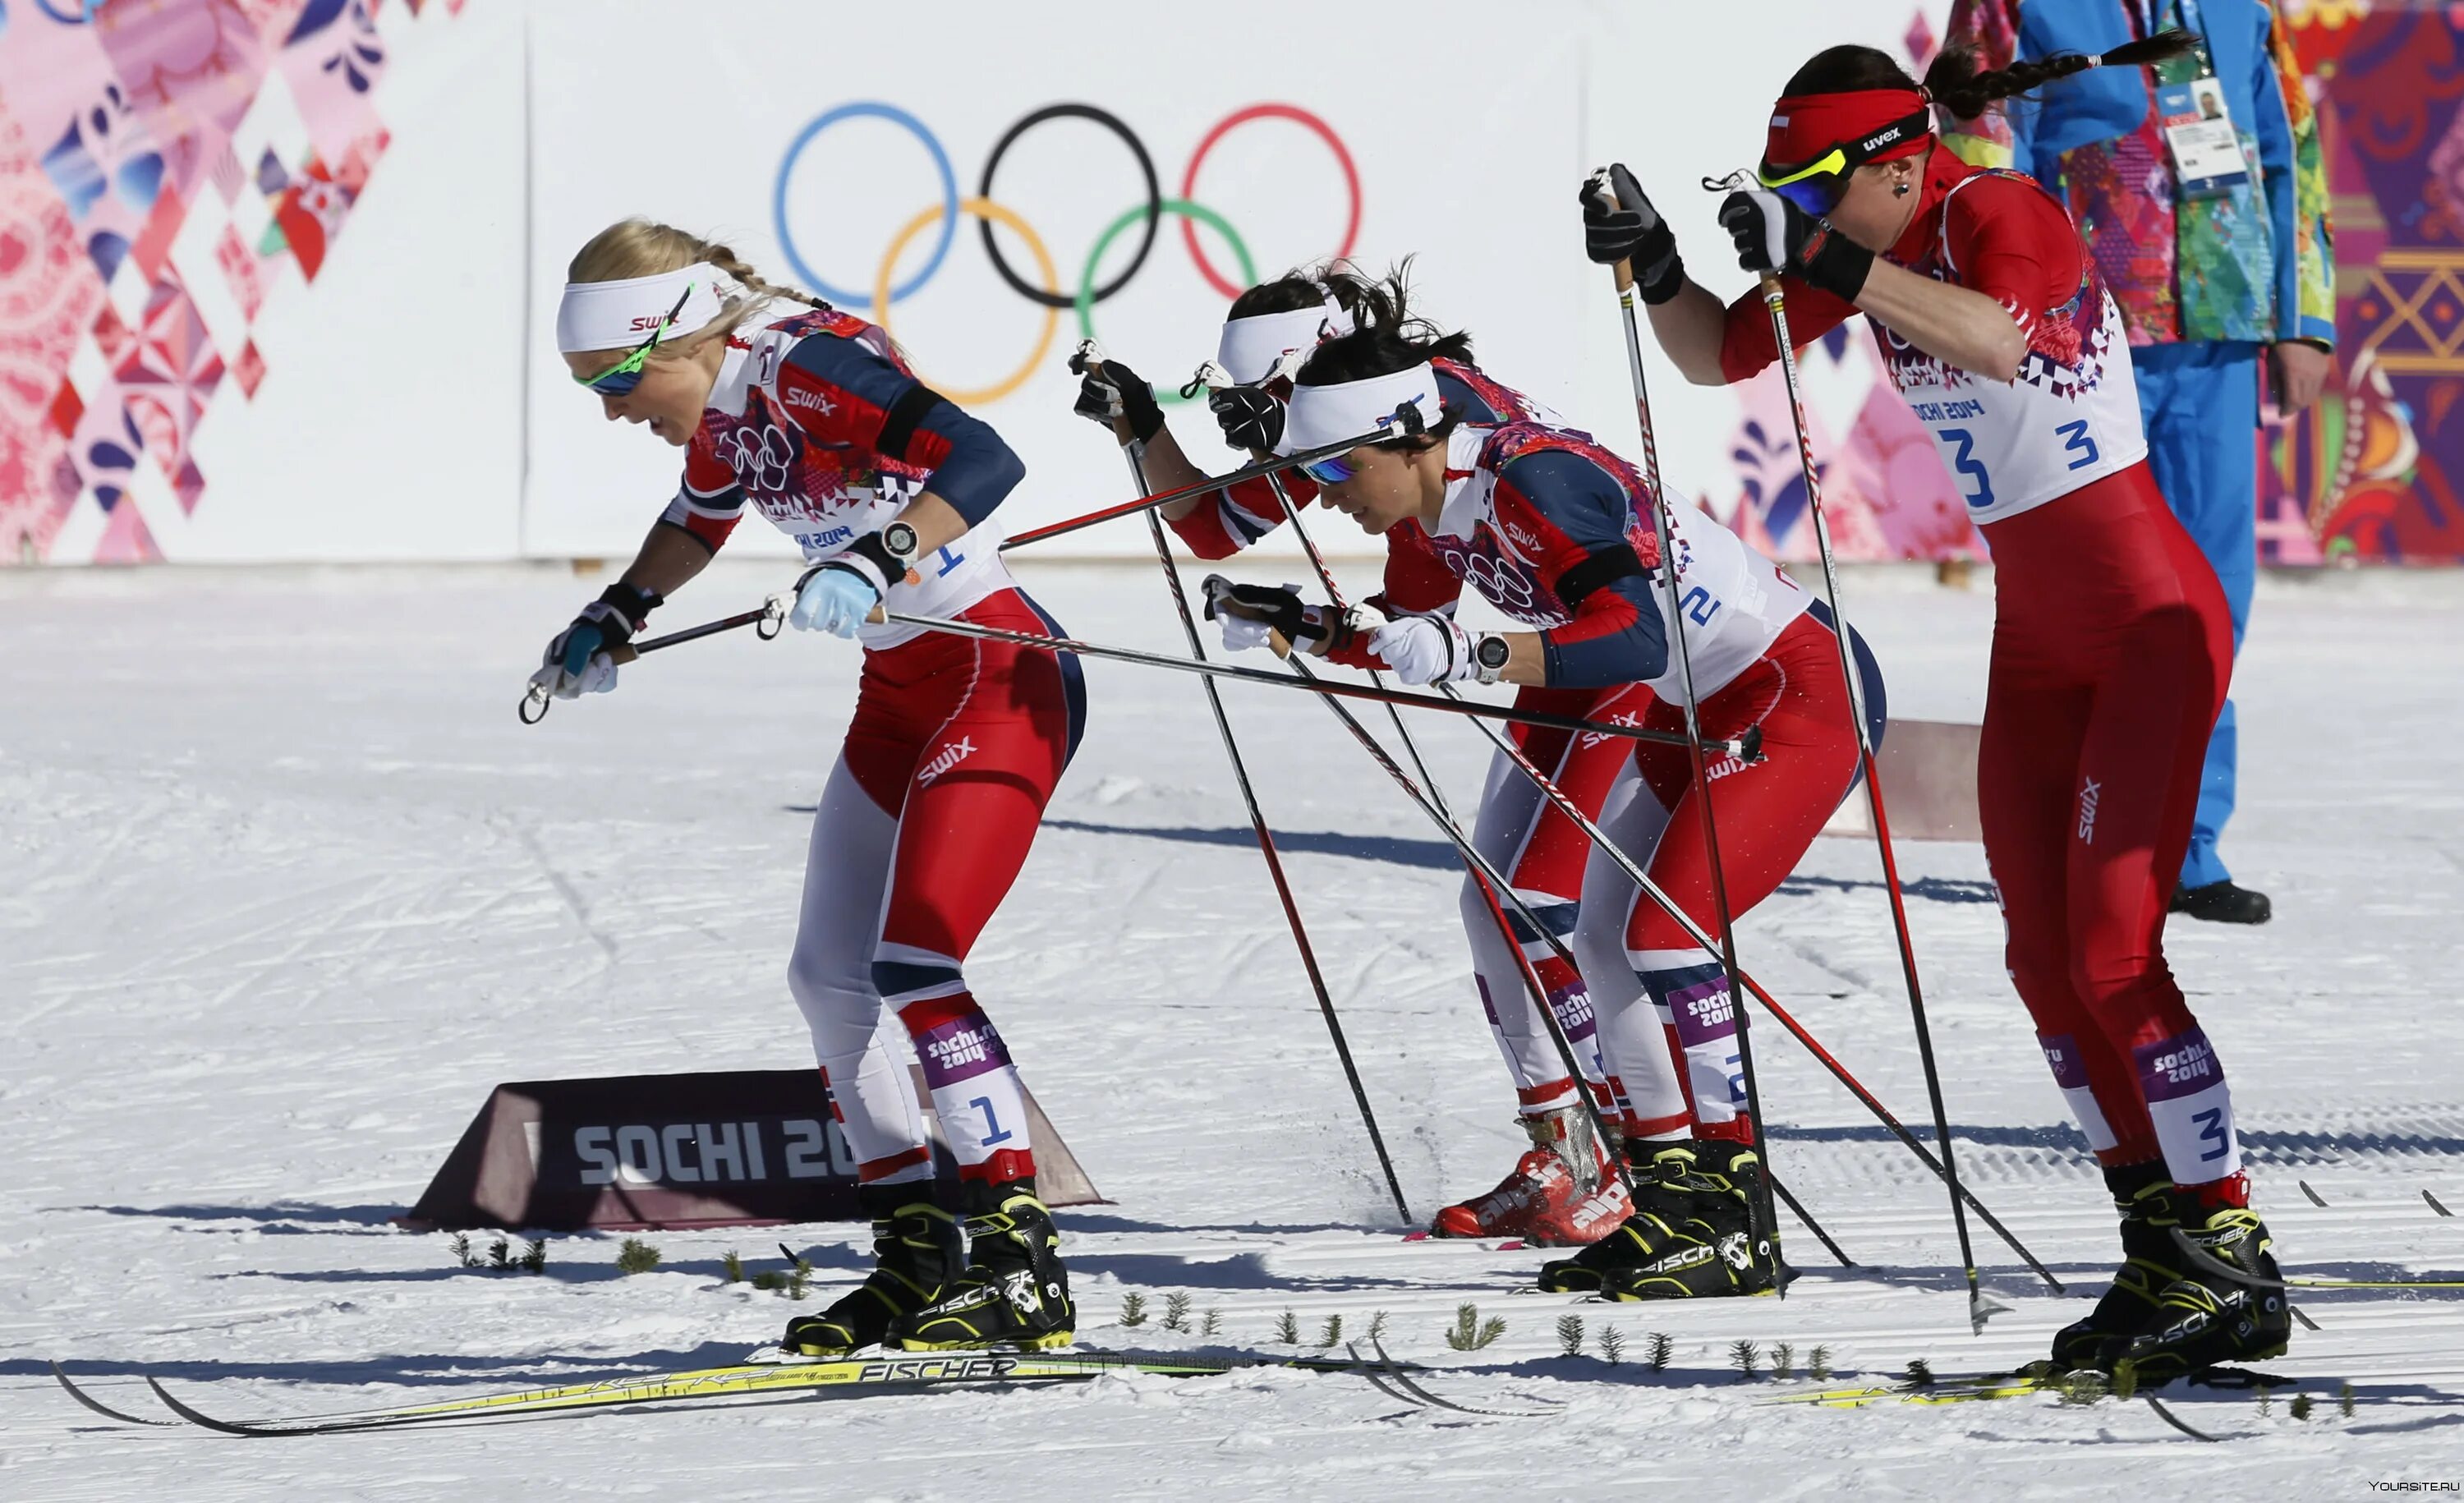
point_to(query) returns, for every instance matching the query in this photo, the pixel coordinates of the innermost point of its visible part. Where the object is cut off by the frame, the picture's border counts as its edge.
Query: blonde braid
(764, 291)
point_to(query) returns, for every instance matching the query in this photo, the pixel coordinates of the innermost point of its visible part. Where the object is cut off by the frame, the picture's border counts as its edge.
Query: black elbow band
(898, 424)
(1604, 568)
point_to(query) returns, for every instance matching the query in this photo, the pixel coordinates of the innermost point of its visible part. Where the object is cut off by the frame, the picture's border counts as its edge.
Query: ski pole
(1746, 748)
(1771, 1004)
(1406, 420)
(1979, 1308)
(1531, 976)
(1495, 886)
(765, 621)
(1663, 527)
(1135, 454)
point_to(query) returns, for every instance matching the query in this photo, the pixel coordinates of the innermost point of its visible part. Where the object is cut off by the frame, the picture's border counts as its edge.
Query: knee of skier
(827, 990)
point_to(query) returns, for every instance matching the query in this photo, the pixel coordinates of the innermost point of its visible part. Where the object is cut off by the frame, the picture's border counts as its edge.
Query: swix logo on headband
(649, 321)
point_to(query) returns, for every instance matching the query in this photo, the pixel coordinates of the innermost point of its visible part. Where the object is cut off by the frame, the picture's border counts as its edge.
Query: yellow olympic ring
(986, 209)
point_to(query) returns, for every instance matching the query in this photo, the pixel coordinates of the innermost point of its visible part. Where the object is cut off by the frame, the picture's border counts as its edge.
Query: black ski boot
(2150, 1264)
(2223, 903)
(1691, 1236)
(2210, 1314)
(1015, 1292)
(917, 1249)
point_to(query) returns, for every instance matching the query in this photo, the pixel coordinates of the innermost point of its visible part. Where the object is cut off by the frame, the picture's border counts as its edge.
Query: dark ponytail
(1959, 87)
(1957, 84)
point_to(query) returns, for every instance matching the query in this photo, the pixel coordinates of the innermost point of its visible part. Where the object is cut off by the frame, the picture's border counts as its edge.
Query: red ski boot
(1544, 1184)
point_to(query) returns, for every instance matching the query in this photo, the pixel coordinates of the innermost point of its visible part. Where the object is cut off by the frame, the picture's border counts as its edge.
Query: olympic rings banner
(1004, 191)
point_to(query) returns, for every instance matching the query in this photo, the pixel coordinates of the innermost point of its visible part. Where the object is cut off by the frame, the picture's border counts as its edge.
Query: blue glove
(835, 597)
(582, 643)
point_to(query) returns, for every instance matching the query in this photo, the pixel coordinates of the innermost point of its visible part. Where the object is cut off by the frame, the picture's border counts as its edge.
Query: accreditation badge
(2199, 131)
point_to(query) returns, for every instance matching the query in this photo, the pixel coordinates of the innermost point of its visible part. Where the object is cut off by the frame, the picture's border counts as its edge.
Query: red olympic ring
(1299, 117)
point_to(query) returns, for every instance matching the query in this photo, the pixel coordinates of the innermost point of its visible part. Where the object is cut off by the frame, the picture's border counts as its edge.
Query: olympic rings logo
(1046, 291)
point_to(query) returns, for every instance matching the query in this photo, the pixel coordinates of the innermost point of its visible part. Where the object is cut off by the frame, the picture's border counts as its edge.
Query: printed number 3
(1967, 464)
(2211, 1130)
(2079, 443)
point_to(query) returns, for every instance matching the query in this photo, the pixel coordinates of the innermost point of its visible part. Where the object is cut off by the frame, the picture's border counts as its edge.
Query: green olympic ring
(1165, 396)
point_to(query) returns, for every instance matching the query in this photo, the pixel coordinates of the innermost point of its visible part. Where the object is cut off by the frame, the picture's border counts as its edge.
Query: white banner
(959, 172)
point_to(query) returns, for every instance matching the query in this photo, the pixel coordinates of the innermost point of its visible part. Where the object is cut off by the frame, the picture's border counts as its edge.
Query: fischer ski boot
(2150, 1264)
(917, 1247)
(1015, 1294)
(2216, 1311)
(1692, 1234)
(1557, 1172)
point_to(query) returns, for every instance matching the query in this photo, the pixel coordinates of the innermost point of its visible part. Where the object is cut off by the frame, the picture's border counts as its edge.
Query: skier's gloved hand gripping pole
(1769, 229)
(1087, 362)
(1612, 191)
(766, 621)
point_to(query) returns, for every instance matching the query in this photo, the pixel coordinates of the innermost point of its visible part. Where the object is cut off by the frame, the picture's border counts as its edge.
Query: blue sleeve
(1616, 635)
(846, 394)
(2280, 194)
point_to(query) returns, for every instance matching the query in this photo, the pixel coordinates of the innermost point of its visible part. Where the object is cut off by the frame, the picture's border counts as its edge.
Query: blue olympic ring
(948, 199)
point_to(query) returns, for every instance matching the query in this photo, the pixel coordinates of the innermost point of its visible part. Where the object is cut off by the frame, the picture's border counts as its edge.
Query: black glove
(1279, 607)
(1110, 392)
(1631, 230)
(1251, 417)
(1774, 235)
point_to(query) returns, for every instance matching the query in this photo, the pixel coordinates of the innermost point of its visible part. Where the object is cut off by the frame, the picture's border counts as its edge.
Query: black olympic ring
(1154, 216)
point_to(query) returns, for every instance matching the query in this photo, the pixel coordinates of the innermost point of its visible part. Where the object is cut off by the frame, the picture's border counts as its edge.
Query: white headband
(621, 315)
(1251, 347)
(1323, 416)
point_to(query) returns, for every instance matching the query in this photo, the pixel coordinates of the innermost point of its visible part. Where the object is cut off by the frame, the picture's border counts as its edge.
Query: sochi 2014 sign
(884, 290)
(714, 1149)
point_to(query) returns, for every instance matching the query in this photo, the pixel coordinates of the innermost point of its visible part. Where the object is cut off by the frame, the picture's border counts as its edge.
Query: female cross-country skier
(2111, 642)
(815, 422)
(1556, 533)
(1561, 1190)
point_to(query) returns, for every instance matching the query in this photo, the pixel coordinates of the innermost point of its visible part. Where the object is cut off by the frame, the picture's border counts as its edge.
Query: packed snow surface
(284, 890)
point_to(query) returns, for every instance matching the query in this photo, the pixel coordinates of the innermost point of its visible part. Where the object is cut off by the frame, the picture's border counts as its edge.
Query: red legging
(2111, 650)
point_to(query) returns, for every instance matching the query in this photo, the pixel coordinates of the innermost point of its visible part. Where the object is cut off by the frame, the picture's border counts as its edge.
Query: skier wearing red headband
(2111, 642)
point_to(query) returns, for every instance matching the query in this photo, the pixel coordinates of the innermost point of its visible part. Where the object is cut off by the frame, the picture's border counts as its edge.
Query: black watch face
(900, 539)
(1493, 651)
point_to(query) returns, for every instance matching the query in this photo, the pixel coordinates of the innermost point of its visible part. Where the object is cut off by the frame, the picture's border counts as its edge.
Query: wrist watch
(1489, 654)
(899, 539)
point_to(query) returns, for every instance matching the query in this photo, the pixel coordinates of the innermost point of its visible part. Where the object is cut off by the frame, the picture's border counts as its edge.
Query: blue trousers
(2200, 402)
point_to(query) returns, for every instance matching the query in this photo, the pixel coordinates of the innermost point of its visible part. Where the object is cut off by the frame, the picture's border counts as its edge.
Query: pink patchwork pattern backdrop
(168, 171)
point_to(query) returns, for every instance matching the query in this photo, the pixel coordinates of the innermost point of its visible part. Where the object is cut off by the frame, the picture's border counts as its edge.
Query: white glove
(1425, 650)
(836, 597)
